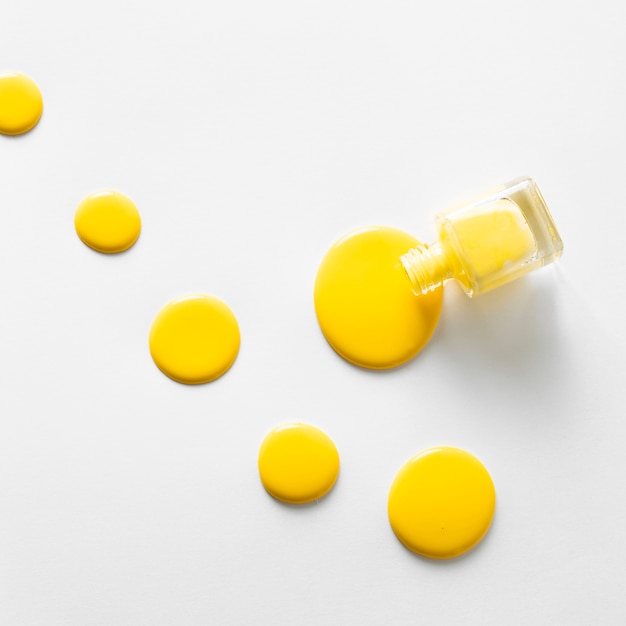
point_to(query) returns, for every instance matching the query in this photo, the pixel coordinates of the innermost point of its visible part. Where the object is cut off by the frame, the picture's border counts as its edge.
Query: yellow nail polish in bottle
(487, 243)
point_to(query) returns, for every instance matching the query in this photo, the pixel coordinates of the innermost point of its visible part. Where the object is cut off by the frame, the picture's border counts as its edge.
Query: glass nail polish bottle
(488, 243)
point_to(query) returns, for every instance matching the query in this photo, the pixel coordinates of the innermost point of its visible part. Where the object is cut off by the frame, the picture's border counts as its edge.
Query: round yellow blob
(194, 339)
(298, 463)
(108, 222)
(364, 302)
(21, 104)
(441, 502)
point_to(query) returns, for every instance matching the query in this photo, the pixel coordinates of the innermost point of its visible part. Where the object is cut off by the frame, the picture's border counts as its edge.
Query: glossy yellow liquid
(107, 221)
(483, 248)
(21, 104)
(194, 339)
(298, 463)
(441, 503)
(364, 303)
(492, 239)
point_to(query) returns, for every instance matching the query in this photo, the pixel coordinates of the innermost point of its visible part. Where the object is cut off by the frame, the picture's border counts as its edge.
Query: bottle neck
(426, 267)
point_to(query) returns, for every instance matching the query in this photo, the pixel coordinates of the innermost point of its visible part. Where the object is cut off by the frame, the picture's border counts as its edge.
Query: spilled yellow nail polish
(441, 502)
(364, 302)
(194, 339)
(298, 463)
(107, 221)
(21, 104)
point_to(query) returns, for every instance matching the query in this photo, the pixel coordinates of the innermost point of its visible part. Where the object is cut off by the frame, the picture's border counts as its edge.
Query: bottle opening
(426, 268)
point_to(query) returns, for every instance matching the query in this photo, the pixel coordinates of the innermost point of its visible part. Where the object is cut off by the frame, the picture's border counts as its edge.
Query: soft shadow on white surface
(509, 337)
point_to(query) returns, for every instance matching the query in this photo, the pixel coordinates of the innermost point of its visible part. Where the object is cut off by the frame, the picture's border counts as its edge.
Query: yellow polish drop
(107, 221)
(298, 463)
(194, 339)
(21, 104)
(364, 302)
(441, 502)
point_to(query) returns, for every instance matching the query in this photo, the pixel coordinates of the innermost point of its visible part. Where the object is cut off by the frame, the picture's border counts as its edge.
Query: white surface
(251, 135)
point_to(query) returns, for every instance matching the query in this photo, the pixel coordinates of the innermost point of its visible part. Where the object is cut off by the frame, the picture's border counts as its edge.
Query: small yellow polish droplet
(298, 463)
(364, 302)
(21, 104)
(441, 502)
(194, 339)
(107, 221)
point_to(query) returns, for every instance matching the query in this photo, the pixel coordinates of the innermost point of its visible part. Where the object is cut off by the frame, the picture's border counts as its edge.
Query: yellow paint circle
(364, 302)
(21, 104)
(298, 463)
(441, 502)
(194, 339)
(107, 221)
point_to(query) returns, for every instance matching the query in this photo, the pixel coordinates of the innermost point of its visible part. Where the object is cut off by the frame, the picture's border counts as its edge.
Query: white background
(251, 135)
